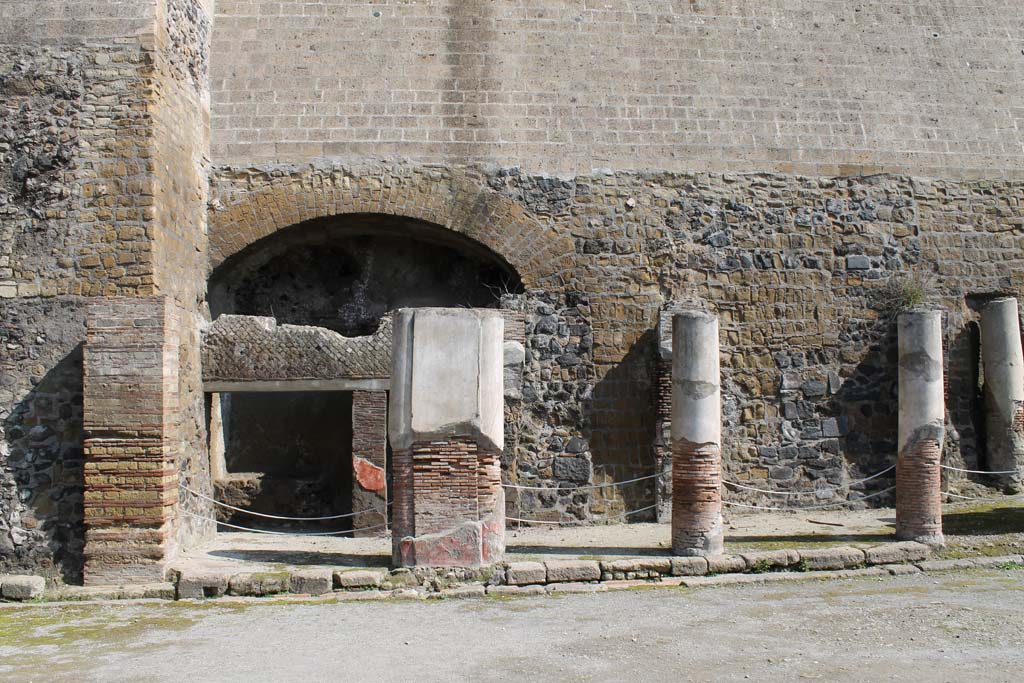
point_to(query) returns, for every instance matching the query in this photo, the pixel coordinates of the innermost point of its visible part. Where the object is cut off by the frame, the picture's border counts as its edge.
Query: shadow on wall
(867, 411)
(964, 398)
(621, 419)
(44, 457)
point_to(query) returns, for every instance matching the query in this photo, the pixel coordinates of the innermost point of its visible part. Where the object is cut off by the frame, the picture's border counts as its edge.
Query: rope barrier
(663, 474)
(563, 522)
(809, 507)
(283, 533)
(290, 519)
(958, 469)
(988, 500)
(808, 493)
(589, 487)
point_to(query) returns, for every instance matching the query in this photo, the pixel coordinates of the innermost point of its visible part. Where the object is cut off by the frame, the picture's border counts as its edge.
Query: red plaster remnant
(369, 476)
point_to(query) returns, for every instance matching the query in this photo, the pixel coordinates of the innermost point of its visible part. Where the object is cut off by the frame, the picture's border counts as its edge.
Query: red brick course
(696, 495)
(440, 486)
(919, 491)
(131, 468)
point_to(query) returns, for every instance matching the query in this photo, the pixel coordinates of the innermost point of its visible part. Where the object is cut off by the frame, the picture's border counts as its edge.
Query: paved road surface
(953, 627)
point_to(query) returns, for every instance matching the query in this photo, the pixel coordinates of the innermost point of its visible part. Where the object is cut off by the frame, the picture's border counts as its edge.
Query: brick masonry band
(696, 435)
(922, 427)
(131, 474)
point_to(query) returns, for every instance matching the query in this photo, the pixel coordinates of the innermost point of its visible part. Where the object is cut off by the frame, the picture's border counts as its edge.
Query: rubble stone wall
(805, 160)
(802, 273)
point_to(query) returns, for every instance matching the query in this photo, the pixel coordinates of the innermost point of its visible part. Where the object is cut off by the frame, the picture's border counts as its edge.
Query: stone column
(922, 427)
(446, 423)
(1003, 361)
(696, 435)
(131, 457)
(369, 463)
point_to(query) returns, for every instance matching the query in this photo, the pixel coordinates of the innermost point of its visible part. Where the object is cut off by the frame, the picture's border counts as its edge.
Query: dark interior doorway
(287, 454)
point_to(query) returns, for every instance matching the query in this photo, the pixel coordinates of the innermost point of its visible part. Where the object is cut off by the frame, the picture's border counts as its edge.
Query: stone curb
(526, 578)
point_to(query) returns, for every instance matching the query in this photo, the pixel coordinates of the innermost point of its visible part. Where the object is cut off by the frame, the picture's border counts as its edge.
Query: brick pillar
(1003, 362)
(922, 427)
(131, 472)
(446, 423)
(696, 435)
(369, 460)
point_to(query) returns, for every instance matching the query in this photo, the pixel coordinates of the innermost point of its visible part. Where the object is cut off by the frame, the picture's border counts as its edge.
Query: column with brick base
(369, 462)
(1004, 390)
(696, 435)
(446, 423)
(922, 427)
(131, 472)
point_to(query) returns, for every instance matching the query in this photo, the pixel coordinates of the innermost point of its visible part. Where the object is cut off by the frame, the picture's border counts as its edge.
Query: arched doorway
(286, 447)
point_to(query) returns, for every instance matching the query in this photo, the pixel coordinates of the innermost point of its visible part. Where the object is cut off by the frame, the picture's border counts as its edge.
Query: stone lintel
(284, 385)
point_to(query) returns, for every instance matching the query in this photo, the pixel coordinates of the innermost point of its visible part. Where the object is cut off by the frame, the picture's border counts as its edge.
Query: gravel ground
(949, 627)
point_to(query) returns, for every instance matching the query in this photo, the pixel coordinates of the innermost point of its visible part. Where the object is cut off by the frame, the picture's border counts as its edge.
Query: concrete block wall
(788, 86)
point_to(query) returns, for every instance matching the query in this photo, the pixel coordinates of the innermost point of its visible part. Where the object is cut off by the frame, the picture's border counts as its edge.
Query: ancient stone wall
(816, 87)
(69, 148)
(760, 120)
(41, 479)
(802, 272)
(180, 103)
(102, 121)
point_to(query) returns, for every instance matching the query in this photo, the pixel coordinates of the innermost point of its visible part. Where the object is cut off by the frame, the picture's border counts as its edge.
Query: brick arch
(267, 204)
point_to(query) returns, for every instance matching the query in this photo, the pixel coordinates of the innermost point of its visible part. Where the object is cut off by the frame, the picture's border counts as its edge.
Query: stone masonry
(801, 174)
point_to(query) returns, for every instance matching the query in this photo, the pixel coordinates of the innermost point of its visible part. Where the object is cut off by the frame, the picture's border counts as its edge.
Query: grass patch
(984, 518)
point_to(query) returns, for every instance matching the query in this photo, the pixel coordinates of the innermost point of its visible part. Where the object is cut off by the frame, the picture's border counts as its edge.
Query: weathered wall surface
(177, 221)
(41, 436)
(795, 267)
(817, 87)
(103, 128)
(761, 121)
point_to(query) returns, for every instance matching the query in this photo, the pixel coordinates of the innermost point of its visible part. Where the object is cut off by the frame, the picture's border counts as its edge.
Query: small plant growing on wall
(904, 291)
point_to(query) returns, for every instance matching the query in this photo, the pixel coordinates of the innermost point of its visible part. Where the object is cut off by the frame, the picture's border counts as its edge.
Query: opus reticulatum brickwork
(588, 169)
